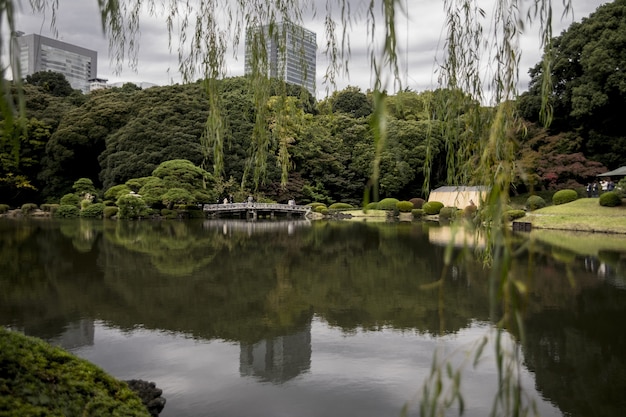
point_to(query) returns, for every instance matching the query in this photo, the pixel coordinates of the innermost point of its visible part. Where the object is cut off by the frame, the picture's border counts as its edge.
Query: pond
(298, 318)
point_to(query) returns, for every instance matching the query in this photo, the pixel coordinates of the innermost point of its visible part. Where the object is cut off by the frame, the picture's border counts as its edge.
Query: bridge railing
(255, 206)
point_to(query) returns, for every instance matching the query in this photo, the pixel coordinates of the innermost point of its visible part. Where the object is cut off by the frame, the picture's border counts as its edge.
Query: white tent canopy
(459, 196)
(621, 171)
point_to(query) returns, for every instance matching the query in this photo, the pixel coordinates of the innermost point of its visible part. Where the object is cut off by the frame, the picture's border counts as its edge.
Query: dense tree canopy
(589, 81)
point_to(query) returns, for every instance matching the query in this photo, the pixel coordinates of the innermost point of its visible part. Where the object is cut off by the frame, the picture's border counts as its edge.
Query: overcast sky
(78, 22)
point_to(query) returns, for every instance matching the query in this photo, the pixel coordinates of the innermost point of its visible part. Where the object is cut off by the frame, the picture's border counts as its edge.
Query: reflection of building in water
(76, 334)
(279, 359)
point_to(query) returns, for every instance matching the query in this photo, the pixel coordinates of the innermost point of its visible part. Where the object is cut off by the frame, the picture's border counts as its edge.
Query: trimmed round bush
(28, 208)
(49, 208)
(564, 196)
(404, 206)
(417, 213)
(372, 206)
(417, 202)
(93, 211)
(67, 211)
(315, 205)
(388, 204)
(319, 208)
(511, 215)
(610, 199)
(340, 206)
(535, 202)
(70, 200)
(4, 208)
(109, 211)
(432, 207)
(447, 213)
(131, 206)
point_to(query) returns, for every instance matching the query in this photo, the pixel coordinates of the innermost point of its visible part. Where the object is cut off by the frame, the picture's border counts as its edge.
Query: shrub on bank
(417, 202)
(43, 380)
(404, 206)
(49, 208)
(511, 215)
(70, 200)
(447, 213)
(535, 202)
(315, 205)
(610, 199)
(4, 208)
(432, 207)
(67, 211)
(340, 206)
(388, 204)
(372, 206)
(28, 208)
(109, 212)
(93, 211)
(417, 213)
(564, 196)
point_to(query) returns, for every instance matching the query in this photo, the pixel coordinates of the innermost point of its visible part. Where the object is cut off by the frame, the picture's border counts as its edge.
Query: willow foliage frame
(480, 141)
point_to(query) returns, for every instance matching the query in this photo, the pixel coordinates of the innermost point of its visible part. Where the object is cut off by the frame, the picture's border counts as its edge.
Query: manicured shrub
(93, 211)
(49, 208)
(469, 212)
(404, 206)
(4, 208)
(315, 205)
(535, 202)
(432, 207)
(388, 204)
(70, 200)
(116, 192)
(340, 206)
(323, 210)
(447, 213)
(84, 204)
(511, 215)
(372, 206)
(28, 208)
(417, 202)
(169, 214)
(564, 196)
(319, 208)
(66, 211)
(417, 213)
(109, 212)
(610, 199)
(131, 206)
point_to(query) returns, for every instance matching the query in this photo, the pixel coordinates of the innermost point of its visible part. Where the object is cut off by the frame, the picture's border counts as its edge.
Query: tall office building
(291, 53)
(38, 53)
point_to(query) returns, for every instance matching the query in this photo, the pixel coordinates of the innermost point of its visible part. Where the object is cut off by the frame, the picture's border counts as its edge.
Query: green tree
(589, 83)
(84, 186)
(51, 82)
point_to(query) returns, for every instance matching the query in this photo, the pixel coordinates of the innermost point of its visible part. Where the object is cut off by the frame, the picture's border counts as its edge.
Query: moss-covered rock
(37, 379)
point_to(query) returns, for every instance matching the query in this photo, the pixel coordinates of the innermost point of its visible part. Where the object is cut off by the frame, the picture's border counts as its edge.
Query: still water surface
(296, 318)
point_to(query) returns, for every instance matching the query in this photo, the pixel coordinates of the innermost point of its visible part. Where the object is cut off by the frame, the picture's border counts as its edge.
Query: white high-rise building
(37, 53)
(291, 53)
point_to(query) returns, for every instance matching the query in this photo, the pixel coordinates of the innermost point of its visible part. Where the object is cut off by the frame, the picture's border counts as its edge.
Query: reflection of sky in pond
(364, 373)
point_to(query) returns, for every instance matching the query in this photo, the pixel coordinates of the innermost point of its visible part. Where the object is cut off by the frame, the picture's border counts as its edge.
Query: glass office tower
(38, 53)
(290, 53)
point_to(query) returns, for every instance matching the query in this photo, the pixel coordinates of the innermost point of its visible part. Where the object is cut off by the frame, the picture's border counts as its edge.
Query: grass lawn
(584, 214)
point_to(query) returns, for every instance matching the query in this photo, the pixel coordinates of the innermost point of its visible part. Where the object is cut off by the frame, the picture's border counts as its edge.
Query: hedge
(28, 208)
(432, 207)
(4, 208)
(511, 215)
(564, 196)
(417, 202)
(610, 199)
(70, 200)
(340, 206)
(67, 211)
(535, 202)
(388, 204)
(93, 211)
(404, 206)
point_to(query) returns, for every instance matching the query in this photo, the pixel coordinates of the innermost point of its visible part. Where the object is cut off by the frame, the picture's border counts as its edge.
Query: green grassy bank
(582, 215)
(37, 379)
